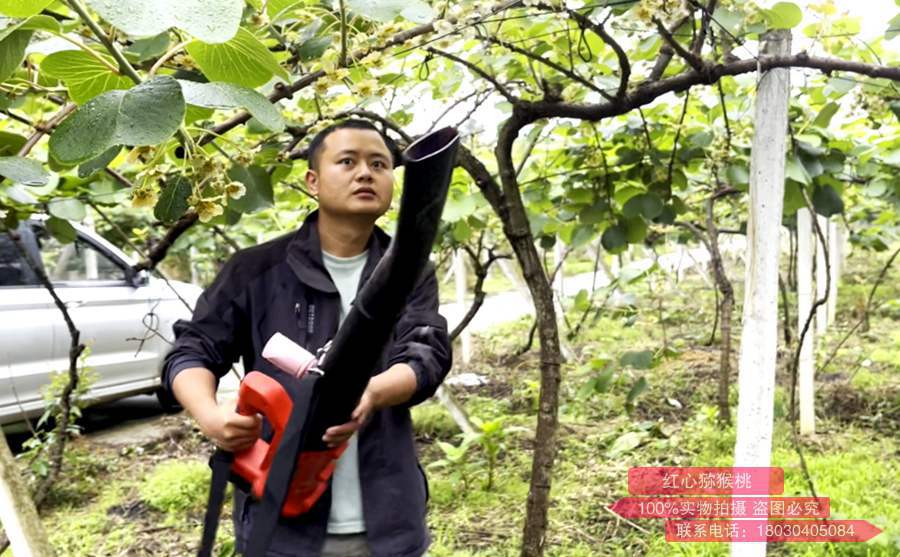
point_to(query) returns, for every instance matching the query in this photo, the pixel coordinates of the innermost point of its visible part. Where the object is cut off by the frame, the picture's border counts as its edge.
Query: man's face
(354, 174)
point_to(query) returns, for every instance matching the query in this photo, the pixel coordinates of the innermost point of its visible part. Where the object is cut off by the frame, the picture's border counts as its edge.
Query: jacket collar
(304, 255)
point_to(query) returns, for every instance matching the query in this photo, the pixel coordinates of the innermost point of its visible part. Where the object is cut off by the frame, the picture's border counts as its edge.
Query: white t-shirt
(346, 515)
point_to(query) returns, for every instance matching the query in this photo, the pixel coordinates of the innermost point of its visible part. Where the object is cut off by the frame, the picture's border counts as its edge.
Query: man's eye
(345, 161)
(378, 164)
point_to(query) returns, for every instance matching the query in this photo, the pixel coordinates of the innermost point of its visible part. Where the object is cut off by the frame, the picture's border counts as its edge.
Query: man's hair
(318, 142)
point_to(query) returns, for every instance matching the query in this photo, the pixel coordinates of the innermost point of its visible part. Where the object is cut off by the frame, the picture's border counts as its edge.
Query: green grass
(177, 487)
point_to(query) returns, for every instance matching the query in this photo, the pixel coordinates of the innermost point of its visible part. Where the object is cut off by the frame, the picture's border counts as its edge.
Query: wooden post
(459, 269)
(17, 511)
(195, 270)
(821, 276)
(559, 295)
(91, 270)
(522, 288)
(507, 267)
(759, 335)
(806, 365)
(557, 262)
(455, 410)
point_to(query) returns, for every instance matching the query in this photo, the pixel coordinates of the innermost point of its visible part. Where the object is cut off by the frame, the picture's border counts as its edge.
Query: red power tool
(261, 394)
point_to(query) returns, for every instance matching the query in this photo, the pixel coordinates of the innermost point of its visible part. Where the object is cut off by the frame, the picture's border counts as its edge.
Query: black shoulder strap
(220, 462)
(280, 474)
(284, 465)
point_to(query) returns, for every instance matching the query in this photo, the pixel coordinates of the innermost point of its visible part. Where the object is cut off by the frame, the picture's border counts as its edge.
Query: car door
(27, 333)
(27, 316)
(111, 312)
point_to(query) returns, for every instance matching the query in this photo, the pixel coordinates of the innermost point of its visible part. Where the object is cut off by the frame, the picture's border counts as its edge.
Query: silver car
(125, 319)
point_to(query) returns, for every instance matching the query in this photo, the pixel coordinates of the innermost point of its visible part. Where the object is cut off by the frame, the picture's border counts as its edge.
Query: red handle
(261, 394)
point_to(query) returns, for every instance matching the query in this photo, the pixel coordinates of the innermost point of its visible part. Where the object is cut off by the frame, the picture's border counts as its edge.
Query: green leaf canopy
(242, 60)
(229, 95)
(173, 200)
(145, 115)
(784, 15)
(23, 171)
(61, 229)
(23, 8)
(827, 201)
(97, 164)
(259, 193)
(387, 10)
(12, 52)
(212, 21)
(67, 208)
(85, 76)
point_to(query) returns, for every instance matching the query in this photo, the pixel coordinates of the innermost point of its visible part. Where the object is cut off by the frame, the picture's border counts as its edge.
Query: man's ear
(312, 182)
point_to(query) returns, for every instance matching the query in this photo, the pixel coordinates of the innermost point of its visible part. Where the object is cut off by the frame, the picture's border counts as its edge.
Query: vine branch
(124, 66)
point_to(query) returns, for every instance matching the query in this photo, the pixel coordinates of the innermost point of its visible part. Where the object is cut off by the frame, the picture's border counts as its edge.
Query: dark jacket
(283, 286)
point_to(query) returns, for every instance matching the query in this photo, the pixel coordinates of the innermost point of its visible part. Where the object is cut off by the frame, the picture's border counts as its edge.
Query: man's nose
(364, 172)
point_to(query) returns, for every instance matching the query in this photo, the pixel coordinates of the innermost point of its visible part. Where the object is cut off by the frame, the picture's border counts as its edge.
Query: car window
(14, 270)
(75, 261)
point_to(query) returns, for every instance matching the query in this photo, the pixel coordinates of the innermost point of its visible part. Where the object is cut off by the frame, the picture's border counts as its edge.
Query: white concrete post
(806, 365)
(559, 296)
(91, 269)
(759, 336)
(557, 262)
(459, 270)
(510, 272)
(195, 272)
(523, 290)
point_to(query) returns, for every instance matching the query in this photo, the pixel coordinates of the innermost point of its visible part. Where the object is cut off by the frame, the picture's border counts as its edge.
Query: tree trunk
(759, 337)
(17, 511)
(727, 303)
(459, 270)
(535, 528)
(792, 259)
(835, 250)
(715, 325)
(821, 277)
(508, 206)
(806, 367)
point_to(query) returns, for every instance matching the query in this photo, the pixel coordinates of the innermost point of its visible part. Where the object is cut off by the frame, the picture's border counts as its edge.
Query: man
(302, 286)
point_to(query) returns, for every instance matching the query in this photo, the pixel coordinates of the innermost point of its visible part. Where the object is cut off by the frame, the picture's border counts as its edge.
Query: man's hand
(229, 430)
(195, 389)
(338, 434)
(393, 386)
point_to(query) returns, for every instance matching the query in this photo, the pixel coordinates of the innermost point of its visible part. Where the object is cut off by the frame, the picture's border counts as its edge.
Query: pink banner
(705, 480)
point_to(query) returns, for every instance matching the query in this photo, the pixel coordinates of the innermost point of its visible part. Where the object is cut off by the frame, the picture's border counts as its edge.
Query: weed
(456, 459)
(177, 487)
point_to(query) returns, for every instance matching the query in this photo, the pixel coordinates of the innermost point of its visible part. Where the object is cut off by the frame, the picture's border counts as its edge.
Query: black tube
(358, 345)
